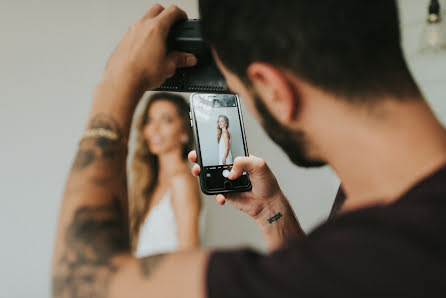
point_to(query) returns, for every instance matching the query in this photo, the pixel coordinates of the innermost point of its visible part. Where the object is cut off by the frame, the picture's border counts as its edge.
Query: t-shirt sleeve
(354, 256)
(290, 272)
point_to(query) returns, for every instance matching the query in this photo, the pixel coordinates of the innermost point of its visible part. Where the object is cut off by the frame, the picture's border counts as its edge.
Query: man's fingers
(170, 16)
(247, 164)
(196, 170)
(181, 59)
(178, 59)
(221, 200)
(153, 11)
(192, 156)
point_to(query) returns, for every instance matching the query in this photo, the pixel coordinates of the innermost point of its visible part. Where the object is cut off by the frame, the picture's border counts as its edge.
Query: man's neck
(381, 159)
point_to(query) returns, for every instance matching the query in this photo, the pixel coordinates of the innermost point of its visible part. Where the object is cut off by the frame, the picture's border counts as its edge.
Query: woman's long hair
(219, 130)
(144, 165)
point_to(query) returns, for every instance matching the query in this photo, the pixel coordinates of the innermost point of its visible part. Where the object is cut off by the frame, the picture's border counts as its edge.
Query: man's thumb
(182, 59)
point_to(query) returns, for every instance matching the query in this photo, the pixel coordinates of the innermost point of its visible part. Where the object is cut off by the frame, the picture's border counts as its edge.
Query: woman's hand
(265, 191)
(141, 58)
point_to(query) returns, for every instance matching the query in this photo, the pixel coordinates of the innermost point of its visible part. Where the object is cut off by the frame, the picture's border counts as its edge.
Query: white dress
(222, 150)
(158, 233)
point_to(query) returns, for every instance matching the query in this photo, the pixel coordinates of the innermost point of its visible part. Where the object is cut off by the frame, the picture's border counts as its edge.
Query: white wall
(51, 56)
(430, 70)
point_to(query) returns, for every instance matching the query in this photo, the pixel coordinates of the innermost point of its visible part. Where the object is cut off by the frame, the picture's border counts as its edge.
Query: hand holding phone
(265, 191)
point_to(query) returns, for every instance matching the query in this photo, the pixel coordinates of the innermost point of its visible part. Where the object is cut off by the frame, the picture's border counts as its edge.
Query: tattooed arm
(92, 254)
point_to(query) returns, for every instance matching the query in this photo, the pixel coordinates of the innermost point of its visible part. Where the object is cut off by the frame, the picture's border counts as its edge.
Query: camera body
(205, 76)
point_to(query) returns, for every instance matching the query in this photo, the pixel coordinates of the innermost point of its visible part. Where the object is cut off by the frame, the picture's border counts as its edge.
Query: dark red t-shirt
(398, 250)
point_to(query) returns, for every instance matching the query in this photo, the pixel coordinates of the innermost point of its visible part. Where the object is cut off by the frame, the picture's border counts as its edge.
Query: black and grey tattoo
(275, 218)
(90, 150)
(94, 236)
(84, 158)
(149, 264)
(98, 231)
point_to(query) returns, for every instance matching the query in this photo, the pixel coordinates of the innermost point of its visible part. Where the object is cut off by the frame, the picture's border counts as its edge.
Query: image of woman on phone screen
(165, 201)
(224, 141)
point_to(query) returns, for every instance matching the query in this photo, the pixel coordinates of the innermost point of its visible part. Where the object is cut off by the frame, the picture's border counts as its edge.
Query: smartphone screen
(219, 138)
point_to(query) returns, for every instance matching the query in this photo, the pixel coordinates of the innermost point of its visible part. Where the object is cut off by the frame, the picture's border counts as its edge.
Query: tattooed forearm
(94, 236)
(91, 150)
(149, 264)
(98, 230)
(83, 159)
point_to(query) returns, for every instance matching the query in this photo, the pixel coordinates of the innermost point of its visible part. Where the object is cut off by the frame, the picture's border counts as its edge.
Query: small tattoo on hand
(275, 218)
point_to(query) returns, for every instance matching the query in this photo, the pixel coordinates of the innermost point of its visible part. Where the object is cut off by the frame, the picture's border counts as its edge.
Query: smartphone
(217, 123)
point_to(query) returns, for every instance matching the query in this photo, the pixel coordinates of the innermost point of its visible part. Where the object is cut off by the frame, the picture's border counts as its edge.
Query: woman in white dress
(224, 141)
(165, 200)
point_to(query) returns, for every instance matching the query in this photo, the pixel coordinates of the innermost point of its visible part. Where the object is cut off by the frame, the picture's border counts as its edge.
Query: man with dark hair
(329, 83)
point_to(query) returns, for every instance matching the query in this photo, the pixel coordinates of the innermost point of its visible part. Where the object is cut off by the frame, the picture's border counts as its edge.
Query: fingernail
(191, 60)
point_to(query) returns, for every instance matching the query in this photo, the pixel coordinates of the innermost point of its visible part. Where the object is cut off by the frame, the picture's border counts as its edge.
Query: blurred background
(52, 54)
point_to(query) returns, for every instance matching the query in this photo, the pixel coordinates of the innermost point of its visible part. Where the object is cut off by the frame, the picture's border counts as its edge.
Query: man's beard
(292, 142)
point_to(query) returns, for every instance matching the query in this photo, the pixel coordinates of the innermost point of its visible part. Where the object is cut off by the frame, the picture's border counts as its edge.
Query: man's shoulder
(427, 193)
(409, 221)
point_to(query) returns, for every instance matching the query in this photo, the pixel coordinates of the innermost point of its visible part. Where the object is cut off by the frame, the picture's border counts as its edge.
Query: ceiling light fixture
(433, 38)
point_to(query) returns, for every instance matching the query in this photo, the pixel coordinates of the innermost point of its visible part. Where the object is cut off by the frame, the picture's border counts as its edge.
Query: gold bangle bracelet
(101, 133)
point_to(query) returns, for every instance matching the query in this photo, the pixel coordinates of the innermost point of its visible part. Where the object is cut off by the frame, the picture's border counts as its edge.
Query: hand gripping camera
(205, 76)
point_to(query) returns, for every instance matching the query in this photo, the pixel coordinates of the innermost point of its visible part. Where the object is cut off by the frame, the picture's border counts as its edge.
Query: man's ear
(276, 90)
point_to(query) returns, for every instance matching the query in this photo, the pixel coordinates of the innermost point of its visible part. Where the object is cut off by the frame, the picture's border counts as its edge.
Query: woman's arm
(226, 139)
(186, 203)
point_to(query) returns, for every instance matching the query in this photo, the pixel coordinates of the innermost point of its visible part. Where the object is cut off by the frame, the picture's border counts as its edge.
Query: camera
(185, 36)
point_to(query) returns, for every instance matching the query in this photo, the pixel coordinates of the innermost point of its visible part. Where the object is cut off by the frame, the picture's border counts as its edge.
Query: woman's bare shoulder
(185, 188)
(183, 179)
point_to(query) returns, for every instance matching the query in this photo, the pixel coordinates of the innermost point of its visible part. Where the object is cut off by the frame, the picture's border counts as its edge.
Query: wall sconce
(433, 38)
